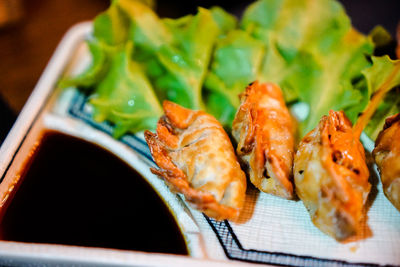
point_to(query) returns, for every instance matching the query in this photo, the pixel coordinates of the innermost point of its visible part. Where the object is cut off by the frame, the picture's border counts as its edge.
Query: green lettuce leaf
(110, 32)
(236, 61)
(186, 61)
(101, 56)
(175, 52)
(125, 96)
(120, 92)
(384, 71)
(389, 106)
(313, 53)
(147, 30)
(225, 21)
(205, 60)
(111, 26)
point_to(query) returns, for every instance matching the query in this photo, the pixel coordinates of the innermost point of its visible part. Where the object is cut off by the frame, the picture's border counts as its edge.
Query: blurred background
(31, 30)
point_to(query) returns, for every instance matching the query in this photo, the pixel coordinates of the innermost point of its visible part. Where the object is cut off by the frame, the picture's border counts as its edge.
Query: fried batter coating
(331, 176)
(196, 158)
(264, 131)
(387, 158)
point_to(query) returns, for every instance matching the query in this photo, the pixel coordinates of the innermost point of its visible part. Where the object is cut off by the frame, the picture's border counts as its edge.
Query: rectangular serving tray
(271, 230)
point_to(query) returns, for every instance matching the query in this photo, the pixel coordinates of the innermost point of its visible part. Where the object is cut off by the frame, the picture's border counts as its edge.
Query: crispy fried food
(387, 157)
(331, 176)
(264, 131)
(196, 158)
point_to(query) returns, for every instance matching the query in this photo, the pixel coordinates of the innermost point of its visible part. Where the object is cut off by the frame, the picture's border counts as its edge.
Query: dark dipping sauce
(76, 193)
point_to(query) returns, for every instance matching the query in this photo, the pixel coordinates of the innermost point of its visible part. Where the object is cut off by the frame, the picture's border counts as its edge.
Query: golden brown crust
(391, 120)
(387, 158)
(264, 131)
(331, 176)
(195, 158)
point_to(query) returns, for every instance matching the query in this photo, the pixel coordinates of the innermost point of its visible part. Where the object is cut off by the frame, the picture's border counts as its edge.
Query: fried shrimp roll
(387, 157)
(264, 131)
(196, 158)
(331, 176)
